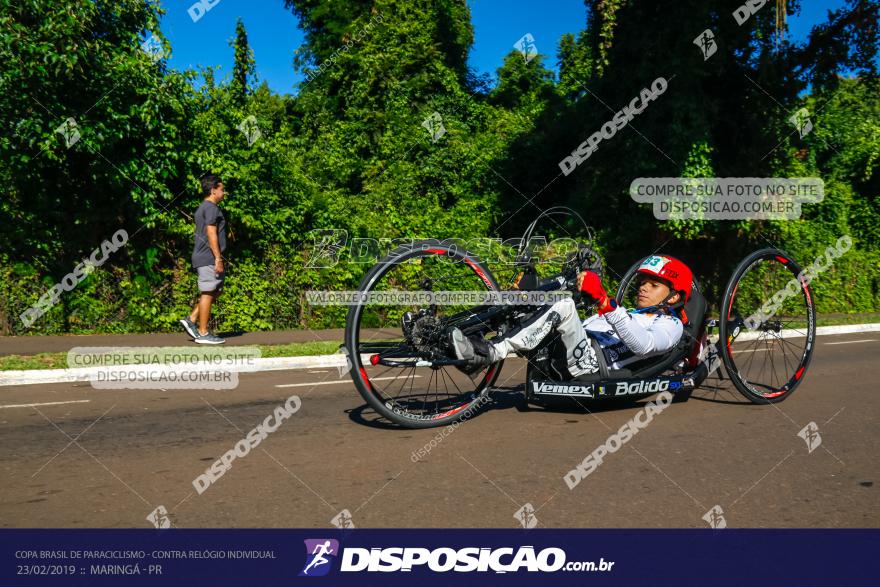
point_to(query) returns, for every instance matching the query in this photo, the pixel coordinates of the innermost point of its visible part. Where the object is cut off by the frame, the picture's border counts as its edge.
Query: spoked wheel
(768, 326)
(403, 368)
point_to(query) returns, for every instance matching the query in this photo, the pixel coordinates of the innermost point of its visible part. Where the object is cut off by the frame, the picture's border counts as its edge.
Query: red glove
(592, 286)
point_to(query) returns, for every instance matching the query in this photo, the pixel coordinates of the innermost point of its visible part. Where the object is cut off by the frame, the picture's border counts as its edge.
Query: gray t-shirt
(207, 213)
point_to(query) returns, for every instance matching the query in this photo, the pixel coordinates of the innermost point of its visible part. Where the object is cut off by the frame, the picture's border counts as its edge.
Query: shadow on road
(713, 390)
(719, 391)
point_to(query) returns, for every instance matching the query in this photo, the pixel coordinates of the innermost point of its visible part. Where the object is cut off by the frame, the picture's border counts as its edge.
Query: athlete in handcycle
(436, 364)
(653, 328)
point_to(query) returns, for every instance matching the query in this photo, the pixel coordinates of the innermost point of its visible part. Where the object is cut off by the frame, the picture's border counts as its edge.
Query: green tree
(376, 75)
(244, 64)
(393, 135)
(97, 127)
(728, 115)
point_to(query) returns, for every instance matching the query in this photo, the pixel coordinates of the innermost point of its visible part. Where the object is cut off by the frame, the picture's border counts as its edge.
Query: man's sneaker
(209, 338)
(475, 350)
(190, 327)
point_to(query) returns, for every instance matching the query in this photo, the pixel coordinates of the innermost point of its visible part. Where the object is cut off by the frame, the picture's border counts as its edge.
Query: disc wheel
(768, 326)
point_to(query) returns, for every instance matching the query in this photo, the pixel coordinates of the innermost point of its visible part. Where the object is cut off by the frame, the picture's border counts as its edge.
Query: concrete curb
(820, 331)
(38, 376)
(848, 329)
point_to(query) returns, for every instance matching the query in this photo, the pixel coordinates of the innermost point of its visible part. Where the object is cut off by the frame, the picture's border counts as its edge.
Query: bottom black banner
(436, 556)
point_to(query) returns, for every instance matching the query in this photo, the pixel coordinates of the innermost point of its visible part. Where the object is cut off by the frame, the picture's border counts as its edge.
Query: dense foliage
(353, 150)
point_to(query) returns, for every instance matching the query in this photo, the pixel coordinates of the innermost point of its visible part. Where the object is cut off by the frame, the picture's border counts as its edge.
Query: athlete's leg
(561, 318)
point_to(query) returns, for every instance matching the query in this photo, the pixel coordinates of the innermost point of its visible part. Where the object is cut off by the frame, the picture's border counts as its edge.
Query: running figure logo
(320, 552)
(801, 121)
(526, 46)
(810, 434)
(715, 518)
(159, 517)
(434, 125)
(343, 520)
(69, 131)
(706, 42)
(526, 516)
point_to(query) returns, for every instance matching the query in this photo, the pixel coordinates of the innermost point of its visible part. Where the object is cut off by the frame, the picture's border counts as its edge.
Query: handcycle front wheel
(397, 380)
(768, 326)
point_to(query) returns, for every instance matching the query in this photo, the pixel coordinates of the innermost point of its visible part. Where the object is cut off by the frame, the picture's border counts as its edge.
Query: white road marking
(335, 381)
(852, 341)
(78, 401)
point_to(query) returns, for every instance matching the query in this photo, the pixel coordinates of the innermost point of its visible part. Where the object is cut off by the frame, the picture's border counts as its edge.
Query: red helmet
(670, 270)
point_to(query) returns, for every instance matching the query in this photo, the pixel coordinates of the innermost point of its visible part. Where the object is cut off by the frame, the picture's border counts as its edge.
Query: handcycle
(403, 367)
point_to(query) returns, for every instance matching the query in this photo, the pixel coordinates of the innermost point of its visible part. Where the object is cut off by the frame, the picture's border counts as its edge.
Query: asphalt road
(112, 457)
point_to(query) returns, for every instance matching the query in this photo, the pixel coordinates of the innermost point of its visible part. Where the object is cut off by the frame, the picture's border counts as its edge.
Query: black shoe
(209, 338)
(474, 349)
(190, 327)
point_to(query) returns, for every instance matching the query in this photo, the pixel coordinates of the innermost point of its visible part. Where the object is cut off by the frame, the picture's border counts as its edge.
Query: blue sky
(274, 35)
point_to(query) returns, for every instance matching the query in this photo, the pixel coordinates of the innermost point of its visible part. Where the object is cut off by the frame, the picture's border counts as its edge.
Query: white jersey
(628, 337)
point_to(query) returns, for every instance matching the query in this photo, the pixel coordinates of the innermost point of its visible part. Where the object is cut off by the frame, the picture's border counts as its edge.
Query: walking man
(207, 259)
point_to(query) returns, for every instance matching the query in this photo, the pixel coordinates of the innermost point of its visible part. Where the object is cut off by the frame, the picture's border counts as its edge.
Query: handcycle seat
(604, 371)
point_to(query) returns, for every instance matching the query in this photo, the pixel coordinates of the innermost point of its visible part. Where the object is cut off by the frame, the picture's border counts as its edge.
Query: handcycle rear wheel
(398, 381)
